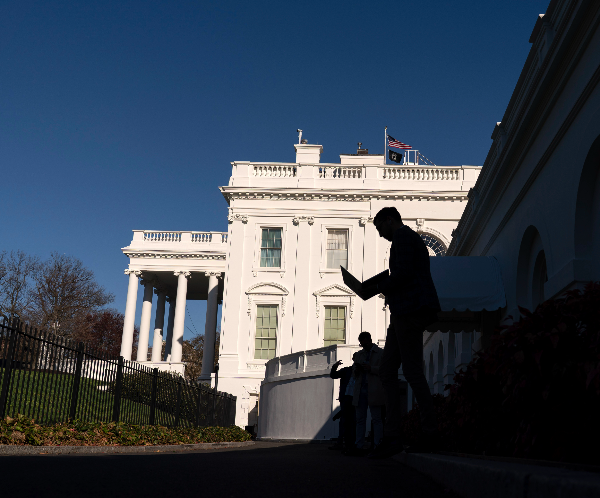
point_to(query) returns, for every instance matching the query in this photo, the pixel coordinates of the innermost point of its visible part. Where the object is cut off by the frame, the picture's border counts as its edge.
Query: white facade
(302, 202)
(536, 204)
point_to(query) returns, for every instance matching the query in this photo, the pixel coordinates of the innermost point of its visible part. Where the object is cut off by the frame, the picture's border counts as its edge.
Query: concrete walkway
(261, 470)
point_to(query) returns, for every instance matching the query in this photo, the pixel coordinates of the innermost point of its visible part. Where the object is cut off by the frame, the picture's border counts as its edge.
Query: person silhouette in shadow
(413, 301)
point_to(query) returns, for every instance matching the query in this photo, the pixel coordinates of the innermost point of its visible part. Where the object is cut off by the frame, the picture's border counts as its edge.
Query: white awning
(468, 283)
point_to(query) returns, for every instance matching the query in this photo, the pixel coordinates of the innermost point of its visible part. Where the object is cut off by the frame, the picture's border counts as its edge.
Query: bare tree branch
(17, 271)
(65, 292)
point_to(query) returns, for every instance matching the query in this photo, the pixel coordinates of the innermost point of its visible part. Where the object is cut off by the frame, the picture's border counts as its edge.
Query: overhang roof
(468, 283)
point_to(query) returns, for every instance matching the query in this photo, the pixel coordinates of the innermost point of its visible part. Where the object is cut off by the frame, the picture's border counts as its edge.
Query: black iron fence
(52, 379)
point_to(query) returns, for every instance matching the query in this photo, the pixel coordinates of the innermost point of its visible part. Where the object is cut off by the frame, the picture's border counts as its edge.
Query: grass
(46, 397)
(24, 431)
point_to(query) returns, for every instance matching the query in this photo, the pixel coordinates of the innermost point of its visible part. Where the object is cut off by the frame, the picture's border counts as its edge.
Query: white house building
(276, 270)
(536, 205)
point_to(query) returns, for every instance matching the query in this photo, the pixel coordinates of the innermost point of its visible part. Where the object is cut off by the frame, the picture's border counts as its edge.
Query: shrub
(24, 431)
(535, 392)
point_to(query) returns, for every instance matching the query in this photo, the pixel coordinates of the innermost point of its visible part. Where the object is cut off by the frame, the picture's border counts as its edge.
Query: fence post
(8, 367)
(118, 385)
(199, 405)
(76, 381)
(178, 406)
(153, 396)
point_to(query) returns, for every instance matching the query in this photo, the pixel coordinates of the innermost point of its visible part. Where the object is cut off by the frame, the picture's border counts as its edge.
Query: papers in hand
(359, 287)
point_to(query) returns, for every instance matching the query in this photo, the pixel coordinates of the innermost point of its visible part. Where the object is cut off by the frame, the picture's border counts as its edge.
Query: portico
(176, 267)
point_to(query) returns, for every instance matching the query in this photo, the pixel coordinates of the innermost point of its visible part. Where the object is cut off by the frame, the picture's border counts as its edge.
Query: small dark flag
(395, 156)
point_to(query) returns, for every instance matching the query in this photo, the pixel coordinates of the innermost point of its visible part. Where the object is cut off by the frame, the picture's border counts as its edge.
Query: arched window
(434, 245)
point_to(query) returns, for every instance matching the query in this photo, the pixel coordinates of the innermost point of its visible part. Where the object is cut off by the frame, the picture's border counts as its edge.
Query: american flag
(392, 142)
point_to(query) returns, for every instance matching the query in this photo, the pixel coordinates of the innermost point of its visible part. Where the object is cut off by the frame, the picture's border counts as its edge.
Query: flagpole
(385, 147)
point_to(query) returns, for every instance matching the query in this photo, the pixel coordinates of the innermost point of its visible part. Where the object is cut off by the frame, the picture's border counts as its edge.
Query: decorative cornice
(363, 221)
(137, 273)
(174, 255)
(185, 273)
(320, 195)
(309, 219)
(240, 217)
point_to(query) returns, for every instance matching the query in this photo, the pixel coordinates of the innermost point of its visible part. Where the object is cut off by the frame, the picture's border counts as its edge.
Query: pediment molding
(263, 288)
(267, 289)
(334, 290)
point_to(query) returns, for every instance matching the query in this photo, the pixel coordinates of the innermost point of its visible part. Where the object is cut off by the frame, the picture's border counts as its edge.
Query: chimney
(308, 153)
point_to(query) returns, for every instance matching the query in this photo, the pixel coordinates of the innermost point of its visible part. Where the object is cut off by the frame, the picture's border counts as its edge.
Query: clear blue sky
(121, 115)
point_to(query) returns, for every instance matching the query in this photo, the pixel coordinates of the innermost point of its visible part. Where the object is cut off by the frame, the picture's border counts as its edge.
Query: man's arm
(334, 374)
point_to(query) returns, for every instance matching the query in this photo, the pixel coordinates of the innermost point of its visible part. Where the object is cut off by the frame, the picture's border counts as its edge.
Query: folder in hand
(359, 287)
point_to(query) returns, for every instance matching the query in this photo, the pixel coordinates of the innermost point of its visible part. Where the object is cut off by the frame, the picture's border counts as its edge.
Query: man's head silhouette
(387, 221)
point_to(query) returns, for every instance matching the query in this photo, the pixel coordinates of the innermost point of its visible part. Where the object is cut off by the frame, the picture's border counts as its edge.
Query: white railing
(183, 236)
(341, 172)
(423, 173)
(154, 236)
(207, 237)
(275, 171)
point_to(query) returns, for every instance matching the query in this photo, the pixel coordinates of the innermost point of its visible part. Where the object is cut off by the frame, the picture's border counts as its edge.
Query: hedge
(24, 431)
(535, 392)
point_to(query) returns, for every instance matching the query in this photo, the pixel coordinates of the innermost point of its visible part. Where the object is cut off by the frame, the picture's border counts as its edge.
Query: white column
(171, 321)
(177, 343)
(159, 323)
(210, 327)
(142, 352)
(129, 322)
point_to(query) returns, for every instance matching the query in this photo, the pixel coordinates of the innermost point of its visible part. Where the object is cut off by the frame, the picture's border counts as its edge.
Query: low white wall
(298, 398)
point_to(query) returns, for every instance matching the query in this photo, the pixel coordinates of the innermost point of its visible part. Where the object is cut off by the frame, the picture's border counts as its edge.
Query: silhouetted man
(347, 432)
(368, 391)
(410, 293)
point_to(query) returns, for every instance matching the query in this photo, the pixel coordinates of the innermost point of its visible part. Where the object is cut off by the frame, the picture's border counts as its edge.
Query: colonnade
(175, 320)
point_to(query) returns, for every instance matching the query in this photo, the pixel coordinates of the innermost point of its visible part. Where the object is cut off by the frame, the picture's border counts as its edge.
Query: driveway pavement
(261, 470)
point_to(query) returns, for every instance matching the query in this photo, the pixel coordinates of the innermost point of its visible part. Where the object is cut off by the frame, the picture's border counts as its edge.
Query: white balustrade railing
(423, 173)
(207, 237)
(275, 170)
(347, 172)
(194, 237)
(154, 236)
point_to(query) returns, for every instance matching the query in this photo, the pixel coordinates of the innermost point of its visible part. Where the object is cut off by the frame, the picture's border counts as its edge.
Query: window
(335, 325)
(270, 248)
(337, 248)
(266, 332)
(434, 246)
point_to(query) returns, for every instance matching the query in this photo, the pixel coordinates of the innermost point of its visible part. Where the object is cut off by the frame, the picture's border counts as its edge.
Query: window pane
(337, 248)
(270, 248)
(335, 325)
(266, 332)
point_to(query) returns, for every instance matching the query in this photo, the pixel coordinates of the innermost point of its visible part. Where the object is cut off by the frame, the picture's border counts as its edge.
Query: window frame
(325, 227)
(257, 248)
(346, 318)
(253, 318)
